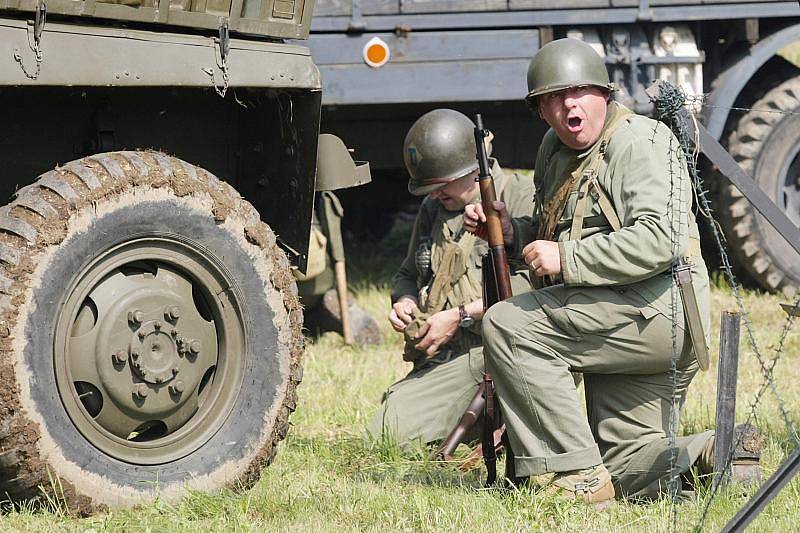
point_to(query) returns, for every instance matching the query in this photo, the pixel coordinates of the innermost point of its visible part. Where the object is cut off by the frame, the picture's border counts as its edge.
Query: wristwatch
(464, 320)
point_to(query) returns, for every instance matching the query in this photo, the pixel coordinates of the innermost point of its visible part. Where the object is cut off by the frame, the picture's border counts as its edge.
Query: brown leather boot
(745, 463)
(592, 485)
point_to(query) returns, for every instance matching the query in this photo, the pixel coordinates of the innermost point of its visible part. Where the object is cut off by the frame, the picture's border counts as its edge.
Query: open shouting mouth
(574, 124)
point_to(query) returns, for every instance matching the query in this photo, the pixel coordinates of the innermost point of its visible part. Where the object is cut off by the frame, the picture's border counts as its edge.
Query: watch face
(466, 322)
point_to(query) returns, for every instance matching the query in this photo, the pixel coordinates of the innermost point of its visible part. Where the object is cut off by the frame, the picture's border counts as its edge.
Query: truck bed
(276, 19)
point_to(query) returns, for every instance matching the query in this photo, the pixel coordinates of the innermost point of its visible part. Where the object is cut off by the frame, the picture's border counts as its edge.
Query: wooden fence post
(726, 393)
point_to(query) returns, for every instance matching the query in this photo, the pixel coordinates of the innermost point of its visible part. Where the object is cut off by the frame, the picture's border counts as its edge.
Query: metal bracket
(644, 12)
(35, 31)
(222, 49)
(356, 24)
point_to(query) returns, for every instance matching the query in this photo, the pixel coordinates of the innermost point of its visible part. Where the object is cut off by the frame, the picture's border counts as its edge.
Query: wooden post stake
(341, 289)
(726, 393)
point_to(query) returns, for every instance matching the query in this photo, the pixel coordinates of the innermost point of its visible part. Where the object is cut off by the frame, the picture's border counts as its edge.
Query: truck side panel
(345, 7)
(269, 18)
(433, 6)
(423, 66)
(395, 7)
(124, 57)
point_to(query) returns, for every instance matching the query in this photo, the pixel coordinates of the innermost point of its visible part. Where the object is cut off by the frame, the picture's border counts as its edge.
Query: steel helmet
(439, 148)
(335, 166)
(565, 63)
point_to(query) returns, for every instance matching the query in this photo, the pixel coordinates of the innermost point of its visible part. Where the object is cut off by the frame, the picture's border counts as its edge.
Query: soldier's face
(577, 114)
(458, 193)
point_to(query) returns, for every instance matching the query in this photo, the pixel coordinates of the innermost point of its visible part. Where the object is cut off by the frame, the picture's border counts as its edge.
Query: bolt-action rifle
(496, 287)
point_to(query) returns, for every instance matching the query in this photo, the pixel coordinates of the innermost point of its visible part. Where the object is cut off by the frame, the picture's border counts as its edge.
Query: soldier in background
(436, 295)
(318, 286)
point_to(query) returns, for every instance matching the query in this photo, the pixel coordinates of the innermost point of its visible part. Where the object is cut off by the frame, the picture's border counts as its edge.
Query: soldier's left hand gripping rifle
(496, 287)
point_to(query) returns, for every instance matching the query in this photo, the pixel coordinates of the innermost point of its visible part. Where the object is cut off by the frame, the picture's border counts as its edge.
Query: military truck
(150, 327)
(387, 62)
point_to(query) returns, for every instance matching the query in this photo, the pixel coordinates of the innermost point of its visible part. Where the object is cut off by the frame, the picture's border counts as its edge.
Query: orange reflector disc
(376, 52)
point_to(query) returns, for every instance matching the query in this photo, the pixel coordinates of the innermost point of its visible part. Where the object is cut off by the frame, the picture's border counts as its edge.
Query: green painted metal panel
(267, 18)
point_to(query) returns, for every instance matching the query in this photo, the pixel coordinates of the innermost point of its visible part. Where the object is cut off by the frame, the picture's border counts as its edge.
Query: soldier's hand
(543, 258)
(437, 330)
(475, 221)
(402, 312)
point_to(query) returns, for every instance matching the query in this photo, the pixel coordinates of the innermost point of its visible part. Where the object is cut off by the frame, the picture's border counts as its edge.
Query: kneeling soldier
(437, 291)
(612, 221)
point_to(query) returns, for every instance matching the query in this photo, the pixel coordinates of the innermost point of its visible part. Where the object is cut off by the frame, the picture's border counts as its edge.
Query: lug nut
(135, 317)
(194, 347)
(120, 357)
(135, 353)
(177, 387)
(173, 312)
(175, 370)
(140, 390)
(141, 334)
(158, 324)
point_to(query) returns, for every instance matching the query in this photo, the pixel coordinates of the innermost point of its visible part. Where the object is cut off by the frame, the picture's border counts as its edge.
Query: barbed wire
(668, 106)
(674, 476)
(701, 100)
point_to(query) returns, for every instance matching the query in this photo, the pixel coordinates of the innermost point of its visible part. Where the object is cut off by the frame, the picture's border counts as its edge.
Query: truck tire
(767, 146)
(150, 332)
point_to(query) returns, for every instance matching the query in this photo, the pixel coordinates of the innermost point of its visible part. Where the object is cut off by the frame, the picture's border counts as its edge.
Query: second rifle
(496, 287)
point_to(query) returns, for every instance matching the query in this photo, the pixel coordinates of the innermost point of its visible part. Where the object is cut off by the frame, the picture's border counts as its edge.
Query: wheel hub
(142, 374)
(154, 353)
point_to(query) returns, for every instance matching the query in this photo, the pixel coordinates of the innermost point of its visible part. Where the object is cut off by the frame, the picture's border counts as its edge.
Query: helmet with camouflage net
(439, 148)
(565, 63)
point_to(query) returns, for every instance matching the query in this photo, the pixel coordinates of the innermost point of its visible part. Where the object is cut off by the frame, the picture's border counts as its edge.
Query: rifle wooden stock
(467, 420)
(489, 425)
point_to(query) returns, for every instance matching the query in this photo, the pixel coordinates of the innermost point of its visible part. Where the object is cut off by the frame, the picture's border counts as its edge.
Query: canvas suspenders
(683, 271)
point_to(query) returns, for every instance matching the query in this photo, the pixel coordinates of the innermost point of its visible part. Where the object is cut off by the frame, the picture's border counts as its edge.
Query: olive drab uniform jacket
(455, 255)
(621, 214)
(633, 174)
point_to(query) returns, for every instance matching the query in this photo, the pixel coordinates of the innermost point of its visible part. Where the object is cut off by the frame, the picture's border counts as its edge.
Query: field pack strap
(552, 212)
(590, 174)
(580, 208)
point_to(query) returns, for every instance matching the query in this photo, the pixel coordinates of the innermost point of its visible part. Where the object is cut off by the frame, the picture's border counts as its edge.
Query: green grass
(329, 477)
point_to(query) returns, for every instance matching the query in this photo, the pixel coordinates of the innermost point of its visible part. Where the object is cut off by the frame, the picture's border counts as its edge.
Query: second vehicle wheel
(766, 143)
(151, 334)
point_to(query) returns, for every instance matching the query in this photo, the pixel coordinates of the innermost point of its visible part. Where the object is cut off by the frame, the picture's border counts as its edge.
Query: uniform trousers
(624, 349)
(427, 404)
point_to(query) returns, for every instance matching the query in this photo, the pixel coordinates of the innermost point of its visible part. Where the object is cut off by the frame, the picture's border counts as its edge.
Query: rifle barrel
(493, 225)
